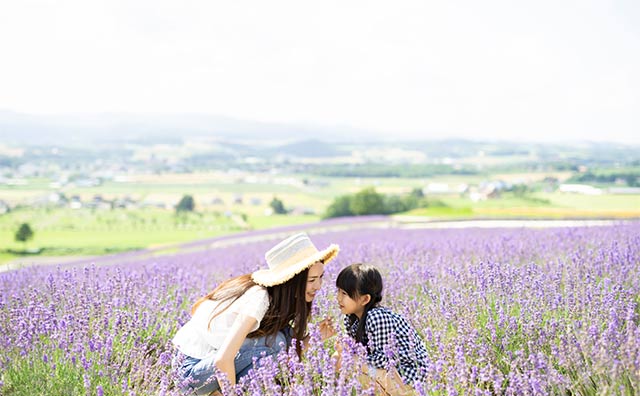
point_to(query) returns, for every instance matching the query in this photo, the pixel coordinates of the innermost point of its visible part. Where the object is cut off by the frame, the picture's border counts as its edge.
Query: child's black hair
(358, 280)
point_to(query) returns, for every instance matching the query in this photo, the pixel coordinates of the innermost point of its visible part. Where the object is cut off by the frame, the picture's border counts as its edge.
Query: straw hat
(290, 257)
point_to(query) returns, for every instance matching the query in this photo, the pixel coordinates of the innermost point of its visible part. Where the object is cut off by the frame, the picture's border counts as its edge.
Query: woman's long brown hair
(287, 304)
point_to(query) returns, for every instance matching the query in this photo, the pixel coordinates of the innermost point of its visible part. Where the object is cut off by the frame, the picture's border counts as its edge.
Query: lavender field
(502, 311)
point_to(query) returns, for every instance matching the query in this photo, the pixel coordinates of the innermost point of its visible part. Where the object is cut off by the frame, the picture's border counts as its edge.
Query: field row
(501, 311)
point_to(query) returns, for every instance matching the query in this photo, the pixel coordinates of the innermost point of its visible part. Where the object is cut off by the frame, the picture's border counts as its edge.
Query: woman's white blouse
(198, 339)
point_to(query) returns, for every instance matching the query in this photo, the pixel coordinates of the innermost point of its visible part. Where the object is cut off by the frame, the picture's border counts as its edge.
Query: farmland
(228, 203)
(88, 199)
(517, 311)
(502, 311)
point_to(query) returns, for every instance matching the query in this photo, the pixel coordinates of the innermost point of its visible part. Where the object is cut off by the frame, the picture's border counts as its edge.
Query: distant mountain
(83, 128)
(311, 148)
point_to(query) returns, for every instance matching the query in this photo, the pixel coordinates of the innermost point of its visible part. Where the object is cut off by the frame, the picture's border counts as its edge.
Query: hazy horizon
(495, 70)
(23, 127)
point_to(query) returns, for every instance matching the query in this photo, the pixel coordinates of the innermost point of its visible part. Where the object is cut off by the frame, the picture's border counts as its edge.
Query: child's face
(350, 305)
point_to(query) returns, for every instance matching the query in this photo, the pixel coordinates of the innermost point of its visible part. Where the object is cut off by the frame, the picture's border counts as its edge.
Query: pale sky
(542, 69)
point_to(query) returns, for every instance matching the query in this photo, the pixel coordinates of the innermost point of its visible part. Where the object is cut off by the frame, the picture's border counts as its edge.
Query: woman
(251, 316)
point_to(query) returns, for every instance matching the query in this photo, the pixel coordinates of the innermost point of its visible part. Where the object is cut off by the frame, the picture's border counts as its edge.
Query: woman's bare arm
(231, 345)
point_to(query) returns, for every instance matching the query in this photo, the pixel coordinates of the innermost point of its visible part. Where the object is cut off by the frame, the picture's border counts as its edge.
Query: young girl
(385, 334)
(250, 316)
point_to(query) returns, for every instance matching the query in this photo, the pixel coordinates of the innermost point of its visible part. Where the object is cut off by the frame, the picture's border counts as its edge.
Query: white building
(579, 189)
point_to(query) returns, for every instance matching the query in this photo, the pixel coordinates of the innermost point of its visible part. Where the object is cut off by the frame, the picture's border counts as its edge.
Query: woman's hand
(327, 330)
(338, 347)
(338, 353)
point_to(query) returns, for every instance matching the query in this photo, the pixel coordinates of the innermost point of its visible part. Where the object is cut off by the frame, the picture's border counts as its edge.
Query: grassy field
(65, 232)
(95, 242)
(604, 202)
(92, 232)
(538, 205)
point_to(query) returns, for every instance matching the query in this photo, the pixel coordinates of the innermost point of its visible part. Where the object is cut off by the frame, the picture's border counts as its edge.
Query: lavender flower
(501, 311)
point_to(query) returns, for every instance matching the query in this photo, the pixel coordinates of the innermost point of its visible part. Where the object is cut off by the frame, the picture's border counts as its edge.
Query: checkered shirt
(392, 342)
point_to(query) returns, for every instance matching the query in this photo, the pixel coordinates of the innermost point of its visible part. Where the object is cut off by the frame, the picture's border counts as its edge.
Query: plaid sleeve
(345, 321)
(380, 328)
(350, 328)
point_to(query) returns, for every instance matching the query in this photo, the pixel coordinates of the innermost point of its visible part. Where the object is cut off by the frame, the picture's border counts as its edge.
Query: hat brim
(273, 277)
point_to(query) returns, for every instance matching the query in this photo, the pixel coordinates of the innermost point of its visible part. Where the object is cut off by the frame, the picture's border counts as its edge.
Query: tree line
(631, 178)
(369, 202)
(386, 170)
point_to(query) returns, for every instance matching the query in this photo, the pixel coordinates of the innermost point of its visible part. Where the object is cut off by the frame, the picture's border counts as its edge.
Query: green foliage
(277, 206)
(438, 211)
(367, 202)
(398, 204)
(84, 232)
(50, 369)
(341, 206)
(186, 204)
(24, 233)
(631, 178)
(417, 193)
(520, 190)
(394, 204)
(370, 202)
(386, 170)
(25, 376)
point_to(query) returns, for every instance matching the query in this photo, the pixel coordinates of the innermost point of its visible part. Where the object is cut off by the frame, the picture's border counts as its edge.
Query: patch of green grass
(142, 188)
(543, 205)
(25, 377)
(65, 232)
(88, 219)
(31, 184)
(63, 242)
(593, 202)
(4, 256)
(442, 211)
(509, 200)
(85, 232)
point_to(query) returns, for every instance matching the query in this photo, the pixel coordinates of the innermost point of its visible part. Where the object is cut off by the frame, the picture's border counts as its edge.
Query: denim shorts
(197, 376)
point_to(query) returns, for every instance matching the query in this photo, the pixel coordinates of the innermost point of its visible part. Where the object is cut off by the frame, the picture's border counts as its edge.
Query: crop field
(67, 232)
(536, 205)
(501, 311)
(224, 206)
(89, 232)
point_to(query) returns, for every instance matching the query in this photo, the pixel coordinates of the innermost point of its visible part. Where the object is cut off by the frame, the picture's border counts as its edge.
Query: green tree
(412, 201)
(186, 204)
(394, 204)
(367, 202)
(520, 190)
(417, 193)
(24, 233)
(277, 206)
(341, 206)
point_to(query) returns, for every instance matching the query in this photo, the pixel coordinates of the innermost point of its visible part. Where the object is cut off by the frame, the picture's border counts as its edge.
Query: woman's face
(314, 280)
